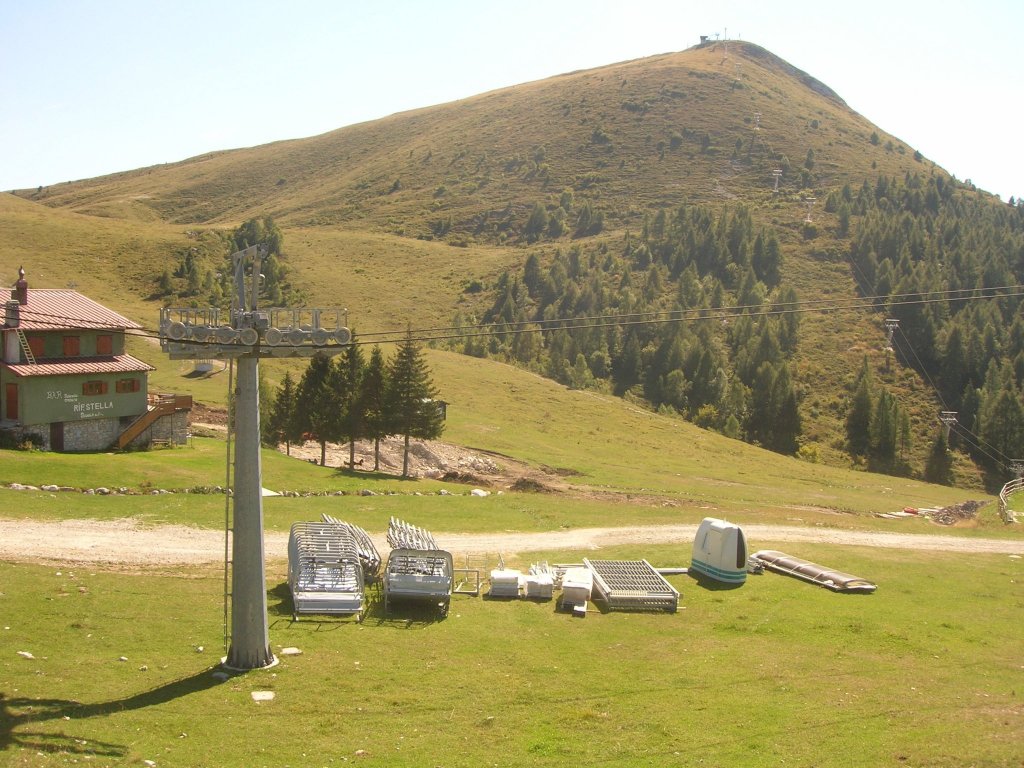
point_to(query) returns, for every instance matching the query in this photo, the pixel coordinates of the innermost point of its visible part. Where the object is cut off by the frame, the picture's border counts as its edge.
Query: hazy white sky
(89, 88)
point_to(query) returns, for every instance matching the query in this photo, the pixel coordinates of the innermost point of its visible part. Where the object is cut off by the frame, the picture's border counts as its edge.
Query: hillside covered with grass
(425, 218)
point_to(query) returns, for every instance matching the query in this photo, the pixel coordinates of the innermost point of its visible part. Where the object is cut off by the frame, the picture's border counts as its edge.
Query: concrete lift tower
(246, 335)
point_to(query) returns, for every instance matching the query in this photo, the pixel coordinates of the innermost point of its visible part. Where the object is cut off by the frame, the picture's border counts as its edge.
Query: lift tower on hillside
(246, 334)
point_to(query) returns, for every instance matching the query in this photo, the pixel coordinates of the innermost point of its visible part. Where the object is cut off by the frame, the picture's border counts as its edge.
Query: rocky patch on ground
(955, 513)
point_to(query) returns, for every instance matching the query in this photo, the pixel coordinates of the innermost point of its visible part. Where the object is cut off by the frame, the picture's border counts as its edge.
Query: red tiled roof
(71, 366)
(55, 309)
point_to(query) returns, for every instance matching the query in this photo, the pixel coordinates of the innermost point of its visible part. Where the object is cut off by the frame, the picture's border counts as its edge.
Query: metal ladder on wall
(26, 350)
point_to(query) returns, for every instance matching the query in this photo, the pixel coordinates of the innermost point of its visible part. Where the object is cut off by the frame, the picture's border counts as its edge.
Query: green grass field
(926, 671)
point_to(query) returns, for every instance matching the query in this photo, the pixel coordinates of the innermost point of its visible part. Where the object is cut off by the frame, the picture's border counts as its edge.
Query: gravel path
(126, 542)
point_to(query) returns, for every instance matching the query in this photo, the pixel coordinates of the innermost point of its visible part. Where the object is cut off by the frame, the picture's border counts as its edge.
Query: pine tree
(858, 418)
(759, 423)
(281, 422)
(884, 429)
(165, 284)
(411, 397)
(351, 418)
(786, 425)
(1003, 425)
(371, 396)
(536, 224)
(627, 367)
(316, 408)
(939, 467)
(906, 441)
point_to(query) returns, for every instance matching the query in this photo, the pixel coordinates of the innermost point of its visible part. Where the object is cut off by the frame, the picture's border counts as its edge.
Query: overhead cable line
(977, 442)
(589, 322)
(921, 366)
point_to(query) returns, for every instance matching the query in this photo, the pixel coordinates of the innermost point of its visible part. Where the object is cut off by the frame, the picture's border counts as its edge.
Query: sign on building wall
(54, 400)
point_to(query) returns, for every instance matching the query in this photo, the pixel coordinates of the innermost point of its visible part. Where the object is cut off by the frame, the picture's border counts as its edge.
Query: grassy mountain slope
(605, 443)
(606, 132)
(395, 218)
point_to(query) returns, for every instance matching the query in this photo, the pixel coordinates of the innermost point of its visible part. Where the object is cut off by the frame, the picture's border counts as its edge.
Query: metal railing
(1012, 487)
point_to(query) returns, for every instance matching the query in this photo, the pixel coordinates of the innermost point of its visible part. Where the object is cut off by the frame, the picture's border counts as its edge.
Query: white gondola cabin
(720, 552)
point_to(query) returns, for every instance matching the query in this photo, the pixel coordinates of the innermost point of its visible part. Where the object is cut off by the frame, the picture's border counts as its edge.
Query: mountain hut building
(66, 382)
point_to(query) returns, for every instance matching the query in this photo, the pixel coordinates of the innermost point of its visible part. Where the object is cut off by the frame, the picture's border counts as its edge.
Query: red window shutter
(38, 346)
(105, 344)
(72, 346)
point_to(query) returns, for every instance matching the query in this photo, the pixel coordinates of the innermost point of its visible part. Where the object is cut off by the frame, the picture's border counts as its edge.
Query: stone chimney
(20, 291)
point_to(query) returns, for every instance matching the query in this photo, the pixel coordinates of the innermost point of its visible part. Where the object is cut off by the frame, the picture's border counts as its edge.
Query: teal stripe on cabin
(737, 577)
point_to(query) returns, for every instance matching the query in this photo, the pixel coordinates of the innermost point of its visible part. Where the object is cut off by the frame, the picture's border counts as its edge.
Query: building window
(127, 385)
(94, 388)
(105, 344)
(72, 346)
(38, 346)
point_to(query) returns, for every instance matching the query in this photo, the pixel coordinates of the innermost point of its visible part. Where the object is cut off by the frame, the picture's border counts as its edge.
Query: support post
(250, 636)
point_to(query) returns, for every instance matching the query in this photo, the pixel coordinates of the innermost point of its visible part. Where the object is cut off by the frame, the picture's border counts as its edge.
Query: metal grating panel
(632, 585)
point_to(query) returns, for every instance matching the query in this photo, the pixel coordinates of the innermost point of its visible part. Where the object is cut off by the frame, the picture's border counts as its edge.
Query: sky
(91, 87)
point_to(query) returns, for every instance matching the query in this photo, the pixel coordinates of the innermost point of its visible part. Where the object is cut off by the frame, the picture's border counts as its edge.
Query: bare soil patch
(437, 460)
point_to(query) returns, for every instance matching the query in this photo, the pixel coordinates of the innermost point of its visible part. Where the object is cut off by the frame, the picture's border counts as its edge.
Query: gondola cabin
(720, 552)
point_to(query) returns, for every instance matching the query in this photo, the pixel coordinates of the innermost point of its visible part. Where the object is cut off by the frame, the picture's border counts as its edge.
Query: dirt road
(126, 542)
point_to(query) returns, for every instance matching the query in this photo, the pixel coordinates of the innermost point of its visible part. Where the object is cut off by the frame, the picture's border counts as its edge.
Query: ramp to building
(632, 585)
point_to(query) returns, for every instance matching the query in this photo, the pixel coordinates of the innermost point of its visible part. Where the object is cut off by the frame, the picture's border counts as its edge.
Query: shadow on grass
(713, 585)
(366, 474)
(401, 614)
(404, 614)
(279, 600)
(17, 713)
